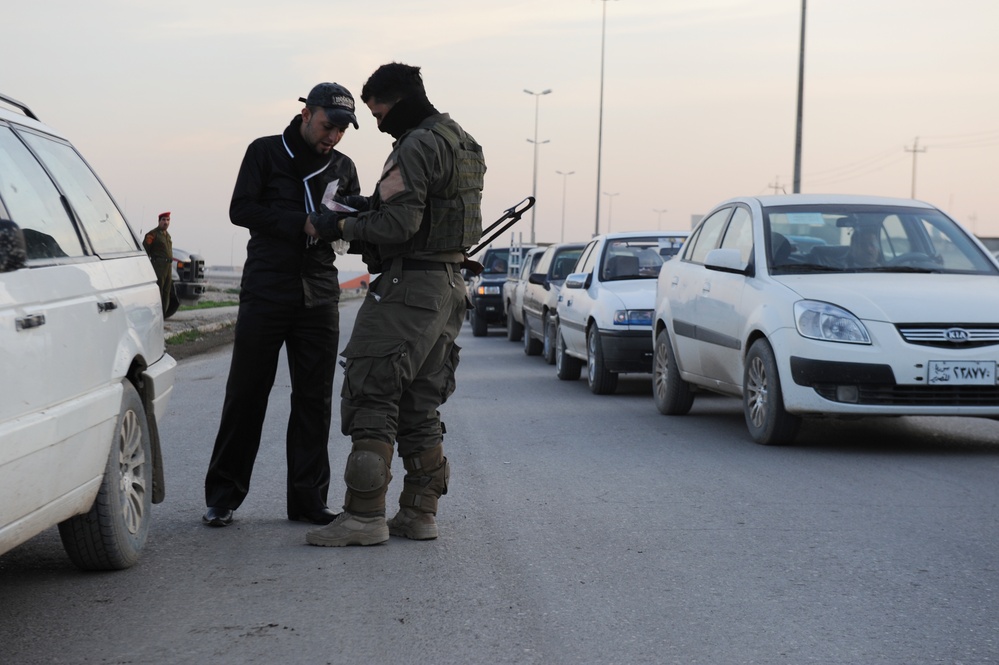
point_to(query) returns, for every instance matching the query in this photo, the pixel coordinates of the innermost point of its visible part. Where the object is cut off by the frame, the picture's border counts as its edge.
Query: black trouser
(311, 338)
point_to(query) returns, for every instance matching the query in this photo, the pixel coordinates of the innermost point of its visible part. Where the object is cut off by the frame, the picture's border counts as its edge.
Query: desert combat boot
(411, 523)
(350, 529)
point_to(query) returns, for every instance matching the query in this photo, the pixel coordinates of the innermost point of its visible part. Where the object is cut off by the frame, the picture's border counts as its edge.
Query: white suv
(85, 373)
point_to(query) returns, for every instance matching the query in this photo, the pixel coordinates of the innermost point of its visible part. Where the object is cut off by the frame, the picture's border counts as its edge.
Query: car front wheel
(479, 324)
(548, 341)
(600, 379)
(514, 330)
(532, 346)
(112, 533)
(672, 394)
(762, 402)
(567, 368)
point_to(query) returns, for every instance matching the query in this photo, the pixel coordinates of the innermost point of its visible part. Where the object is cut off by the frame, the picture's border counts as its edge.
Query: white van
(85, 375)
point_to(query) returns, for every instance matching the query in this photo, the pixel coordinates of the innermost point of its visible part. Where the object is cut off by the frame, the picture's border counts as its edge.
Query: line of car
(802, 306)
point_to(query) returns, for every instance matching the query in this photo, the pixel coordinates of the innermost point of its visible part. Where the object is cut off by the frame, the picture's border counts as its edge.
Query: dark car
(486, 291)
(188, 280)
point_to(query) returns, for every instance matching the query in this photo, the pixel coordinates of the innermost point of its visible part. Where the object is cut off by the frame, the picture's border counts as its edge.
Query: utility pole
(776, 186)
(914, 150)
(600, 125)
(659, 221)
(801, 89)
(534, 188)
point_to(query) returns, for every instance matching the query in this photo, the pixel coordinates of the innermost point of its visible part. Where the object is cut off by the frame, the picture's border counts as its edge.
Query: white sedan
(808, 305)
(604, 310)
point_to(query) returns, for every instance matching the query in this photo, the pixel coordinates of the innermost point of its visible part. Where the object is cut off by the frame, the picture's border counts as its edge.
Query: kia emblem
(957, 335)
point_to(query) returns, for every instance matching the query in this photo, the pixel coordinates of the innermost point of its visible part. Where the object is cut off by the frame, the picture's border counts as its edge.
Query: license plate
(962, 372)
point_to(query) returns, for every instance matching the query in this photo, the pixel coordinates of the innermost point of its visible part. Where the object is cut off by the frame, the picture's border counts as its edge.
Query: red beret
(163, 214)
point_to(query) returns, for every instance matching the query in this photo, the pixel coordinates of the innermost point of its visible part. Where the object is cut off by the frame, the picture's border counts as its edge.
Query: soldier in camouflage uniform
(424, 215)
(159, 247)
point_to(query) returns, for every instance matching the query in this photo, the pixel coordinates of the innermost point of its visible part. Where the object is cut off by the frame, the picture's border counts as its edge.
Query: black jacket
(280, 181)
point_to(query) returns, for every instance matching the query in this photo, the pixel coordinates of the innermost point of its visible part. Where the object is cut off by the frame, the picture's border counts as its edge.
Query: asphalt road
(578, 529)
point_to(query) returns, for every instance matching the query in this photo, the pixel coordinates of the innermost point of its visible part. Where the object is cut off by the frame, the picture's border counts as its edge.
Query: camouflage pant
(401, 358)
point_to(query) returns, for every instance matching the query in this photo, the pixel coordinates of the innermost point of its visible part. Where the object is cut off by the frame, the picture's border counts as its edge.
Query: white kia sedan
(809, 306)
(604, 310)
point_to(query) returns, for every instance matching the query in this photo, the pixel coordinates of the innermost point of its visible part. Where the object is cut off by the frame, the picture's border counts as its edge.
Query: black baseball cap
(336, 100)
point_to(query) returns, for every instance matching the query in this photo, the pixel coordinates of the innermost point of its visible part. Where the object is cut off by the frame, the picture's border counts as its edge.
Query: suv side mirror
(13, 254)
(538, 278)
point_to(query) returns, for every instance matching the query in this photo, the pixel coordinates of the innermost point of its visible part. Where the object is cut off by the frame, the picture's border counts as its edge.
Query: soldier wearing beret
(159, 247)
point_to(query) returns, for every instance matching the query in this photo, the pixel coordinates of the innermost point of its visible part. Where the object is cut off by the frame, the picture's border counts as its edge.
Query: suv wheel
(112, 533)
(600, 380)
(567, 368)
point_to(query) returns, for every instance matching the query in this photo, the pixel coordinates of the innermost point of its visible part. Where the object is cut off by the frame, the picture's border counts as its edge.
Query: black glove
(327, 223)
(355, 201)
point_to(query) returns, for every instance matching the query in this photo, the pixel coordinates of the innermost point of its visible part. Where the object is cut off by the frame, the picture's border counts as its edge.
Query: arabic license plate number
(962, 372)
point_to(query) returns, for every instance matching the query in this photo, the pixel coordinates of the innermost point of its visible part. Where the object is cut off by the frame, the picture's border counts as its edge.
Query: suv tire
(112, 533)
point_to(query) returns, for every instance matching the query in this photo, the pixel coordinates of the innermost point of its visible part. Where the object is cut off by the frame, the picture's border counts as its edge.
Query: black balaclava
(406, 114)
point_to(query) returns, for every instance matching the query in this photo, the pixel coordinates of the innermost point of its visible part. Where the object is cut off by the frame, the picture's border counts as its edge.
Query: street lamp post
(610, 208)
(565, 177)
(534, 188)
(600, 125)
(659, 222)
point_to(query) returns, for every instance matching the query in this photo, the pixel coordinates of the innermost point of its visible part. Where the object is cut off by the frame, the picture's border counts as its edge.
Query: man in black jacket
(289, 296)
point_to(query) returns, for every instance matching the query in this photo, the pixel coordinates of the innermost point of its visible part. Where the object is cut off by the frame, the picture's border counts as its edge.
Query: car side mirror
(537, 278)
(13, 252)
(577, 280)
(726, 260)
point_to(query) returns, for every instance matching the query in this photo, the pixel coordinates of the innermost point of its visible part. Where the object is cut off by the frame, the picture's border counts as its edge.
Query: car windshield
(862, 238)
(496, 261)
(634, 258)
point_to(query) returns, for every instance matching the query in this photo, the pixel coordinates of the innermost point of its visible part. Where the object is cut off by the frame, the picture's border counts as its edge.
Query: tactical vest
(452, 219)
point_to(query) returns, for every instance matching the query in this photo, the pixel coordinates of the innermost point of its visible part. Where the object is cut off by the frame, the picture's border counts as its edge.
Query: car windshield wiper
(895, 269)
(805, 267)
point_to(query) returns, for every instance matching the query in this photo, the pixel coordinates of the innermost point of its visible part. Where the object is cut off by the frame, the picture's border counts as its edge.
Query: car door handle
(30, 321)
(106, 306)
(706, 288)
(675, 281)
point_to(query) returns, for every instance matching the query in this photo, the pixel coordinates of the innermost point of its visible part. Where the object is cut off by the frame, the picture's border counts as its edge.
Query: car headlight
(489, 290)
(820, 320)
(633, 317)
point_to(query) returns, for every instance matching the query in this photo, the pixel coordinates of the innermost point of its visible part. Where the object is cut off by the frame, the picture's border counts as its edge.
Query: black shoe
(318, 516)
(217, 516)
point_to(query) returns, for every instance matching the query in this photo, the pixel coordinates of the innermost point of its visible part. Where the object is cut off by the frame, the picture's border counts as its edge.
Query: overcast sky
(699, 99)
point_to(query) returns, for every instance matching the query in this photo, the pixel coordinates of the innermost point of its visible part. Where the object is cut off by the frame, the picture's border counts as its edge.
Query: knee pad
(367, 469)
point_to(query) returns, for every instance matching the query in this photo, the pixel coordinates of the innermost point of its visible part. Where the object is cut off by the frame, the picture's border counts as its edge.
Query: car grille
(920, 395)
(956, 336)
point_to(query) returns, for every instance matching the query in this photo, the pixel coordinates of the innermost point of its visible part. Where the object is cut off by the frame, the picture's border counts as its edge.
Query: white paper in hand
(339, 246)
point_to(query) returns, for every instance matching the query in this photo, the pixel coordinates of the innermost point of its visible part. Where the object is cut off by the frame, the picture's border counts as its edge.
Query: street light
(610, 208)
(600, 126)
(534, 188)
(565, 177)
(659, 223)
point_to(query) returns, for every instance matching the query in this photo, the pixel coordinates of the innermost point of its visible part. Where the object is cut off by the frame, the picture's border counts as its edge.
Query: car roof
(837, 199)
(22, 118)
(641, 234)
